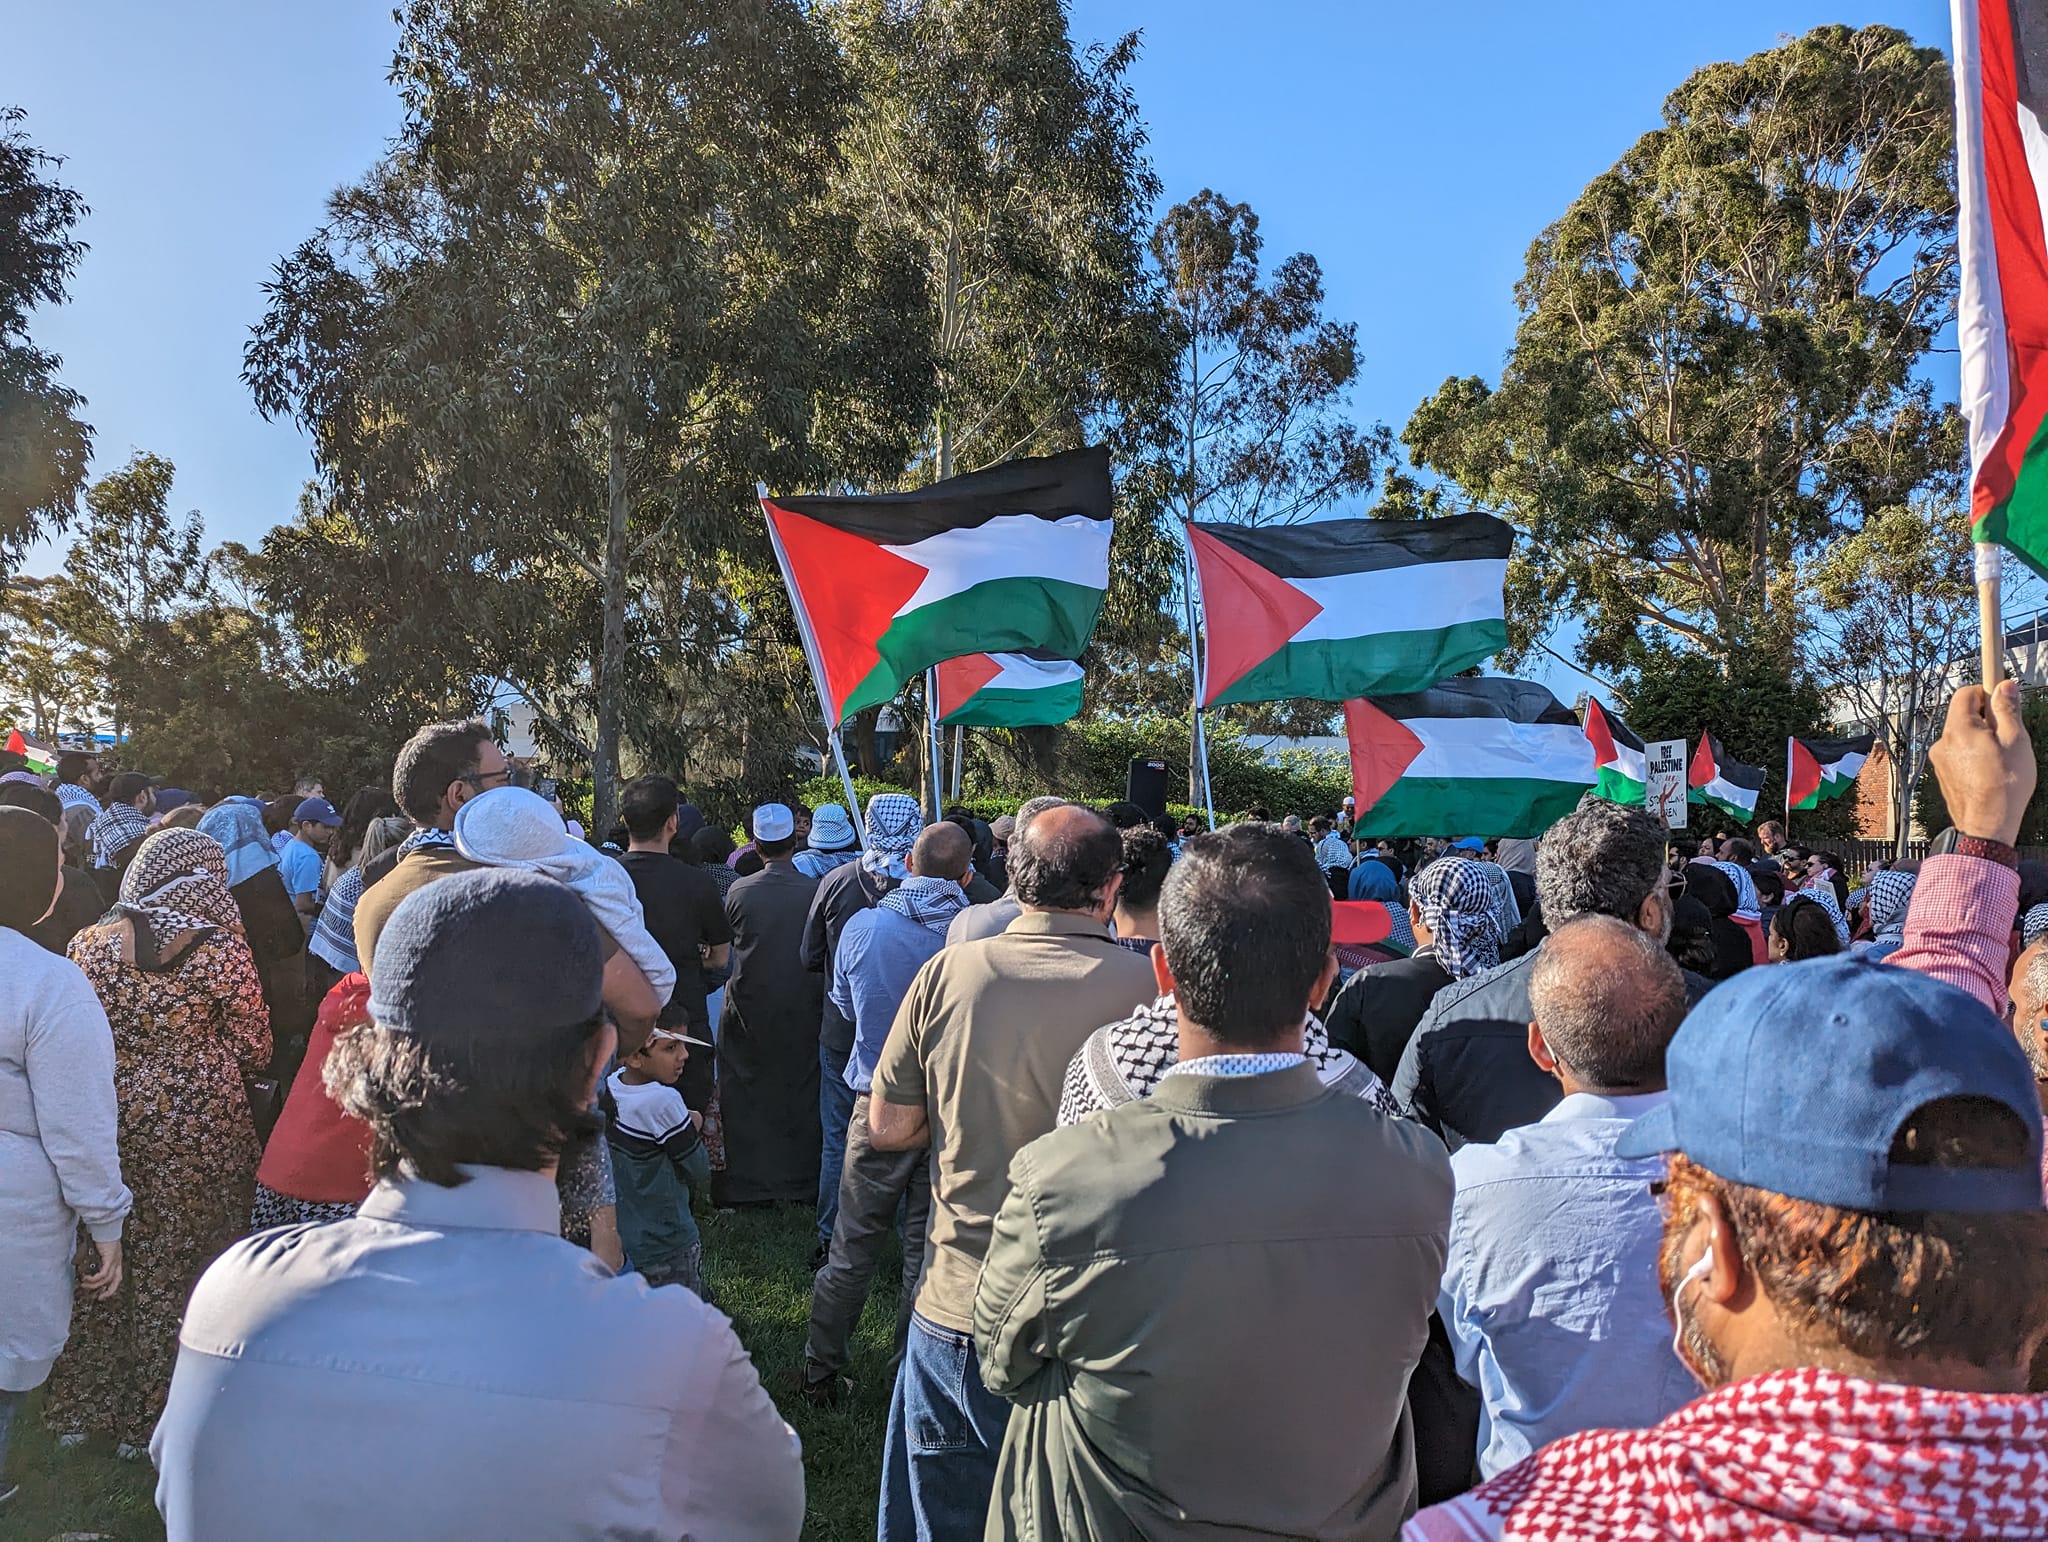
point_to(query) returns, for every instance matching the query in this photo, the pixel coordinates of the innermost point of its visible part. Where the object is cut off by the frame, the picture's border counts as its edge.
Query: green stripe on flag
(1488, 806)
(1617, 788)
(1379, 664)
(2020, 523)
(1002, 615)
(991, 708)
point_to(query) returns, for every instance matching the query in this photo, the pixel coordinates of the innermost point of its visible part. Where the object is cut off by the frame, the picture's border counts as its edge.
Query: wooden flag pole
(810, 647)
(1990, 617)
(959, 758)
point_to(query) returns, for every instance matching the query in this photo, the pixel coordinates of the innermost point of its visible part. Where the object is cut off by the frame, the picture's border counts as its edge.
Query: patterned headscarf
(1507, 910)
(119, 826)
(177, 883)
(2035, 926)
(1820, 889)
(237, 824)
(1747, 906)
(1891, 894)
(893, 822)
(1461, 910)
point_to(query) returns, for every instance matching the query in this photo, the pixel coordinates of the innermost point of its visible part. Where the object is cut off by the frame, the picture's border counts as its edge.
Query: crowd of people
(1258, 1182)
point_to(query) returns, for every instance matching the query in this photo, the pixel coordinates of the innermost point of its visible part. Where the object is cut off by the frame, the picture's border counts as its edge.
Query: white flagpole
(931, 725)
(1200, 743)
(959, 758)
(810, 647)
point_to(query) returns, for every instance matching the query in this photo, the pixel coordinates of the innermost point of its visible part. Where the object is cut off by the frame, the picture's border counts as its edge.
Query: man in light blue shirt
(880, 952)
(1550, 1294)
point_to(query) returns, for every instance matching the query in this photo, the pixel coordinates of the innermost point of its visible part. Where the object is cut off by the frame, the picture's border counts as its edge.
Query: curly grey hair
(1601, 859)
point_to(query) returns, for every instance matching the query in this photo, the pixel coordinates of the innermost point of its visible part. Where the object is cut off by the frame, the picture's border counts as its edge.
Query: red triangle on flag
(1382, 747)
(850, 589)
(1803, 774)
(1249, 613)
(1598, 732)
(961, 678)
(1704, 768)
(16, 745)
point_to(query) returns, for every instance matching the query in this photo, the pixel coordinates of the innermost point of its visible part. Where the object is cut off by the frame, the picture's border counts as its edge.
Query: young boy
(658, 1157)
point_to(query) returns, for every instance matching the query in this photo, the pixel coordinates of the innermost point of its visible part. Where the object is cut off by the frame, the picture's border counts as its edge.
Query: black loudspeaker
(1146, 787)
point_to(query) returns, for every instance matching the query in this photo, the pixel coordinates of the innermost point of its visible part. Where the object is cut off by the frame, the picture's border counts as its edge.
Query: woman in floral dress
(186, 1005)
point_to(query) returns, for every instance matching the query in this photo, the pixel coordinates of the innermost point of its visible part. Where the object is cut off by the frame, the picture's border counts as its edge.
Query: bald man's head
(1066, 858)
(943, 850)
(1608, 1000)
(2030, 1004)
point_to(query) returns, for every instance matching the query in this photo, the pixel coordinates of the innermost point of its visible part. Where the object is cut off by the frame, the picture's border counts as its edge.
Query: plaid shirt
(1959, 927)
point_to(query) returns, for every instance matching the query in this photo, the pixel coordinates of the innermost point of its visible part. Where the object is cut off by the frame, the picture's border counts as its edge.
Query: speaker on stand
(1145, 786)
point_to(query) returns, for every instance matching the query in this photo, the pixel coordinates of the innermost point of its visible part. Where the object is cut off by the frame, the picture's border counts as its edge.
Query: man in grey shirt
(444, 1364)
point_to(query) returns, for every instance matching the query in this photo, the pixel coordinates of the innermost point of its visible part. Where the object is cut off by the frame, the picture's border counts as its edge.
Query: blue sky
(1415, 149)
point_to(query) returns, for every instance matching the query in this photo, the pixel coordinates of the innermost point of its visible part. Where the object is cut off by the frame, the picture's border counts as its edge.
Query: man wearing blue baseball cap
(1856, 1256)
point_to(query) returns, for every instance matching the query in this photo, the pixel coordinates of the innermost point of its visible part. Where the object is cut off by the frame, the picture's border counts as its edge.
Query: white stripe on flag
(1628, 762)
(1980, 310)
(1073, 550)
(1021, 672)
(1493, 747)
(1424, 597)
(1720, 787)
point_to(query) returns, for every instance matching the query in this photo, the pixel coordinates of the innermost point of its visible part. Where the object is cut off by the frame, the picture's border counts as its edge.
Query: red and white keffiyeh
(1795, 1454)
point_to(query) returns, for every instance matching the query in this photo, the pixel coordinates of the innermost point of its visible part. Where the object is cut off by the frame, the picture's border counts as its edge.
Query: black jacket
(842, 894)
(1377, 1011)
(1467, 1073)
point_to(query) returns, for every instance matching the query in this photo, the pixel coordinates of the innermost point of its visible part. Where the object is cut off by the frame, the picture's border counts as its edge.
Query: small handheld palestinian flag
(1008, 690)
(40, 760)
(1013, 557)
(1485, 756)
(2001, 74)
(1617, 756)
(1337, 608)
(1819, 769)
(1719, 780)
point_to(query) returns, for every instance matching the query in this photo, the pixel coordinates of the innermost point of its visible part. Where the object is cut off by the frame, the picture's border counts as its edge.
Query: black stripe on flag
(1731, 770)
(1048, 486)
(1828, 751)
(1323, 548)
(1519, 701)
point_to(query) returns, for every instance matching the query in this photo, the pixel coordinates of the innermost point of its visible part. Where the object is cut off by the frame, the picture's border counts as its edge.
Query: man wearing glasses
(440, 768)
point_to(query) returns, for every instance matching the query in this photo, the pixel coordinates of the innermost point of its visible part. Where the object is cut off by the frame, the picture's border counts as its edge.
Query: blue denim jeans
(945, 1434)
(835, 1107)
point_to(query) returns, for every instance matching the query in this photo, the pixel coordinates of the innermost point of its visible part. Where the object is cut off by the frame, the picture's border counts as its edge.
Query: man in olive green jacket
(1206, 1304)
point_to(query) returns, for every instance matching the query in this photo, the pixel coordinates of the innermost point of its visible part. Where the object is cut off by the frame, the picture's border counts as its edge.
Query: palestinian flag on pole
(1718, 779)
(1617, 756)
(1009, 558)
(1485, 756)
(1337, 608)
(1008, 690)
(2001, 73)
(41, 760)
(1819, 769)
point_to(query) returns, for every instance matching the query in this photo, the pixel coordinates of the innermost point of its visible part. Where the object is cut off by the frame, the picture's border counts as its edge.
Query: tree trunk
(865, 749)
(604, 768)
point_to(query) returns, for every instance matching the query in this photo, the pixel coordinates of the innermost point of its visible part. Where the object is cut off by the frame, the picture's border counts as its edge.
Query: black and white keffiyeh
(1127, 1060)
(1462, 911)
(893, 821)
(930, 902)
(118, 827)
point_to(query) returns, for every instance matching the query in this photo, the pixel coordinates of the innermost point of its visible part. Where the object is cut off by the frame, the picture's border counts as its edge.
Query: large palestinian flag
(1010, 558)
(41, 760)
(1720, 781)
(1617, 756)
(1484, 756)
(1008, 690)
(1338, 608)
(2001, 75)
(1819, 769)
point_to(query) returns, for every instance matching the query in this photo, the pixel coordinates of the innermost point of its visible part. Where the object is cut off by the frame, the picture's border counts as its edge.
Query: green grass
(757, 1264)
